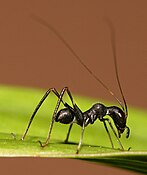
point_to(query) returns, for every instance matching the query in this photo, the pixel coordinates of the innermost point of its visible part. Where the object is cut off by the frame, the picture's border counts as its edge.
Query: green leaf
(16, 107)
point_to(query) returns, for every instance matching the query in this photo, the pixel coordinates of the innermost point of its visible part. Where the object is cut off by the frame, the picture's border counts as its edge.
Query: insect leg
(38, 106)
(70, 96)
(81, 138)
(115, 133)
(66, 140)
(108, 133)
(55, 113)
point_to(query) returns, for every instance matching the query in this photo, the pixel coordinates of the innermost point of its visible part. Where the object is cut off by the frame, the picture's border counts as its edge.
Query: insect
(73, 114)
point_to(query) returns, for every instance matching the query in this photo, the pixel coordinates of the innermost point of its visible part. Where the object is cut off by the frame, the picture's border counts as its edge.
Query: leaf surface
(16, 107)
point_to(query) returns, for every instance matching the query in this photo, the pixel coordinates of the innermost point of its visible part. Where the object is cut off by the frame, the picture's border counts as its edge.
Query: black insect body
(71, 114)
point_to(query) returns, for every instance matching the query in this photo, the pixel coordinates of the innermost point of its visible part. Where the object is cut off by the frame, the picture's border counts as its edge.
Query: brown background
(31, 55)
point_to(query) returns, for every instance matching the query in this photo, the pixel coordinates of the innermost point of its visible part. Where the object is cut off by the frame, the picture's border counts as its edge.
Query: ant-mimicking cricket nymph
(73, 114)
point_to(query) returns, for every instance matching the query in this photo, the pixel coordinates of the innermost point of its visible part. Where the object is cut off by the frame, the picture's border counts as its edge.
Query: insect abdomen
(65, 116)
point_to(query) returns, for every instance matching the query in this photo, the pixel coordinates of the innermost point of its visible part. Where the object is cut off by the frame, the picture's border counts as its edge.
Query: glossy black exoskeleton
(71, 114)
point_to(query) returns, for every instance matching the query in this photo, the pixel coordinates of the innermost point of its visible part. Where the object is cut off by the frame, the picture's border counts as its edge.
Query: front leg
(120, 144)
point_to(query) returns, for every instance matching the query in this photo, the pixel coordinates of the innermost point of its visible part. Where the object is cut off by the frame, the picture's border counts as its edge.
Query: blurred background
(32, 56)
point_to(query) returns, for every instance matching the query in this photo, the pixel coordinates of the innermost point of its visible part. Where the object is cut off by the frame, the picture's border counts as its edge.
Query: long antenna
(43, 22)
(112, 38)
